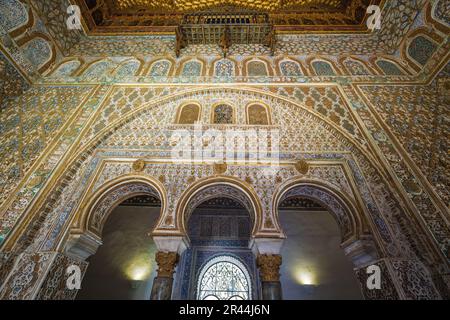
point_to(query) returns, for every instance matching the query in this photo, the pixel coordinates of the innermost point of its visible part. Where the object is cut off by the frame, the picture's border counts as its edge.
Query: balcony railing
(225, 29)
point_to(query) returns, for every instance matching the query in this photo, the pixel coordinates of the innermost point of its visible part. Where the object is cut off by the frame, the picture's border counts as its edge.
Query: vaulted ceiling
(124, 16)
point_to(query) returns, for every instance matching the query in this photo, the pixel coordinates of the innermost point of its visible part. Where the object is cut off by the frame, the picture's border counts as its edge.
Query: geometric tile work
(37, 177)
(152, 129)
(442, 11)
(122, 101)
(418, 118)
(12, 84)
(397, 18)
(423, 204)
(327, 102)
(54, 15)
(27, 126)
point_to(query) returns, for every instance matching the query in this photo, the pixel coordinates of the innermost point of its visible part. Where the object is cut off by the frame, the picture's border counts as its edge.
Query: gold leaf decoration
(139, 165)
(191, 179)
(412, 187)
(302, 166)
(168, 221)
(220, 168)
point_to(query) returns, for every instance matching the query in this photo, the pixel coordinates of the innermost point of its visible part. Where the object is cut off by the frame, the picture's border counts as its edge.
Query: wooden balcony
(225, 29)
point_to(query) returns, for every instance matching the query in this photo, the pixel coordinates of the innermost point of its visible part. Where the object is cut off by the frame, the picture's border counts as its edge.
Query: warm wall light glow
(138, 269)
(304, 276)
(139, 273)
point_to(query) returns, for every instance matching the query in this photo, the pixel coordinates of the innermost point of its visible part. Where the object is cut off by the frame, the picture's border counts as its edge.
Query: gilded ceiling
(263, 5)
(108, 16)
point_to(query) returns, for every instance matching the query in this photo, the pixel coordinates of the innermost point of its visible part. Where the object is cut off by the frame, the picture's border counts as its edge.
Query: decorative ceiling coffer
(164, 16)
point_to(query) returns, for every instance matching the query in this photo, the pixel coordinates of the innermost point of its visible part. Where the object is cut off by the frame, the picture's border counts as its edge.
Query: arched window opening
(123, 267)
(224, 278)
(314, 263)
(223, 114)
(189, 114)
(258, 115)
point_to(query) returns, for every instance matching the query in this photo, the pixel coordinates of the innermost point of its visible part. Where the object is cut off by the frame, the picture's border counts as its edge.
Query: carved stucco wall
(150, 128)
(344, 129)
(12, 83)
(418, 117)
(305, 133)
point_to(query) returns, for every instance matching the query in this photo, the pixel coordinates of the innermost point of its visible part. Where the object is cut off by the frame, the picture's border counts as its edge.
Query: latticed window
(257, 115)
(223, 114)
(224, 278)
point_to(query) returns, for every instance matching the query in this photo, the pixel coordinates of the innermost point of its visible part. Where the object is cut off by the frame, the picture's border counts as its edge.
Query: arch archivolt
(309, 136)
(188, 186)
(344, 209)
(95, 210)
(218, 186)
(284, 111)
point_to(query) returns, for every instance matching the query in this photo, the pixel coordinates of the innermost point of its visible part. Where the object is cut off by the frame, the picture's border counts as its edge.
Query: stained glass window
(224, 278)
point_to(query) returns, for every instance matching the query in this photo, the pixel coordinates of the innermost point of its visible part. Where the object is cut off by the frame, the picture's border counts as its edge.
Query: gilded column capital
(269, 267)
(167, 262)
